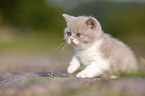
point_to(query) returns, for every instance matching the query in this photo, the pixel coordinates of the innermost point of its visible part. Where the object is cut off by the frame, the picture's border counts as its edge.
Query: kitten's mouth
(73, 42)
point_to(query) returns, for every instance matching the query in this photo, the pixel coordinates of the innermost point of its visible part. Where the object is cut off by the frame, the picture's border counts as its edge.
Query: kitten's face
(81, 31)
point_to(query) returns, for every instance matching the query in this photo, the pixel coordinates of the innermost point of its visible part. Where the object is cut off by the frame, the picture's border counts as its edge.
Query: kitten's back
(120, 56)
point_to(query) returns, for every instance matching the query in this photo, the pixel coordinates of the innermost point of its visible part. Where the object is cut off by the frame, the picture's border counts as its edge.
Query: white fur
(69, 41)
(74, 41)
(74, 65)
(91, 58)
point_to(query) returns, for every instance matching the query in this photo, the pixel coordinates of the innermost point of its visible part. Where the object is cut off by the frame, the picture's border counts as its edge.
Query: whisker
(60, 40)
(61, 45)
(66, 48)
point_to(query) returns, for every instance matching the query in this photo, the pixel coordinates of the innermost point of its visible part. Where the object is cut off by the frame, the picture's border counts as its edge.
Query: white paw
(85, 74)
(71, 69)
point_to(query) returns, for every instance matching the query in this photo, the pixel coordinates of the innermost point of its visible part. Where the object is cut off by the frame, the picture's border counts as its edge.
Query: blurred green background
(37, 25)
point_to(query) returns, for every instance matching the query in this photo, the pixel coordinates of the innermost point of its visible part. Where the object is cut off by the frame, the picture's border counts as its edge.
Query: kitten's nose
(71, 39)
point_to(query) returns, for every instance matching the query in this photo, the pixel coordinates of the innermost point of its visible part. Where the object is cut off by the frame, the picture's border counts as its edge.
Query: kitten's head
(81, 31)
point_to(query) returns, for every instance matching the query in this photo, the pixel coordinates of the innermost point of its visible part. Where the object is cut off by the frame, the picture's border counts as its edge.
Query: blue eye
(69, 33)
(78, 34)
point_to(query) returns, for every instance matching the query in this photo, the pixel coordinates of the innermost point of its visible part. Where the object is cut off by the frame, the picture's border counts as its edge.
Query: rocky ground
(42, 74)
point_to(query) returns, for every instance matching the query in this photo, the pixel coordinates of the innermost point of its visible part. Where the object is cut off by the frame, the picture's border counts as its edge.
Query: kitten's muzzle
(71, 39)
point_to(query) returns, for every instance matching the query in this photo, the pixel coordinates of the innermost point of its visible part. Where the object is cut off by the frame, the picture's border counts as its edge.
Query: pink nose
(71, 39)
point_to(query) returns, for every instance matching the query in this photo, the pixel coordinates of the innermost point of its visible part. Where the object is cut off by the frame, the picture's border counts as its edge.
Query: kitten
(96, 50)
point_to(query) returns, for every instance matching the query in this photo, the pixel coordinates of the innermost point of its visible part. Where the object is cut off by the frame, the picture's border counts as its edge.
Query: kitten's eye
(78, 34)
(69, 33)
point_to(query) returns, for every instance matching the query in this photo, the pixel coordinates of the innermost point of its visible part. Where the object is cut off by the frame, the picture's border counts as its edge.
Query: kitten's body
(96, 50)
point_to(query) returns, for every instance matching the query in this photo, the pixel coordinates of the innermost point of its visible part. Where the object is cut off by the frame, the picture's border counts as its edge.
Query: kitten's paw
(71, 69)
(85, 74)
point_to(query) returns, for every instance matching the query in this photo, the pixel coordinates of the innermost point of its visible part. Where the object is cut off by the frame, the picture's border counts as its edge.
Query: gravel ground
(27, 74)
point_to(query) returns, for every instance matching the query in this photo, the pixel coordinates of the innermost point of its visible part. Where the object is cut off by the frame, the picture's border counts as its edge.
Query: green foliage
(139, 73)
(22, 83)
(34, 41)
(33, 81)
(124, 20)
(30, 14)
(79, 70)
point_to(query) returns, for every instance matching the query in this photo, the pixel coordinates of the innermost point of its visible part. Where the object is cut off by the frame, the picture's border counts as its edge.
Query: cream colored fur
(96, 50)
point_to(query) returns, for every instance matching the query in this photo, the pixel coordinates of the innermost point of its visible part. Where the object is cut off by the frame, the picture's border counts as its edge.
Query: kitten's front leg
(94, 69)
(74, 65)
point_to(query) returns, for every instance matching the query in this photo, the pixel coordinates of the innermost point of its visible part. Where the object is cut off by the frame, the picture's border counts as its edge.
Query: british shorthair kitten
(96, 50)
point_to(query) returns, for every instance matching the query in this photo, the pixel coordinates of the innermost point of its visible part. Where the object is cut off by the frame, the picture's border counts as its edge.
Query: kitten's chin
(82, 46)
(73, 44)
(77, 45)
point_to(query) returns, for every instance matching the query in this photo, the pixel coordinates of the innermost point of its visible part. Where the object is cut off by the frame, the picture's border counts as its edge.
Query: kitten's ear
(68, 18)
(92, 23)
